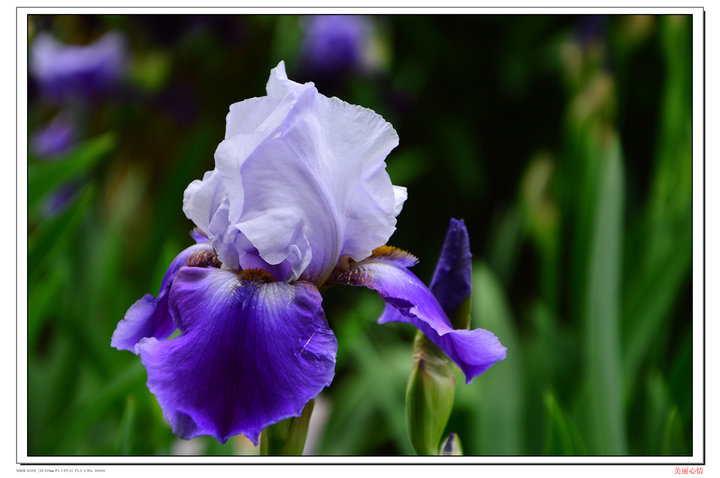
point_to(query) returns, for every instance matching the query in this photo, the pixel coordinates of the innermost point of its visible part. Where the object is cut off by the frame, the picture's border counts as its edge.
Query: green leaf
(506, 239)
(673, 441)
(150, 71)
(368, 394)
(651, 297)
(51, 237)
(561, 437)
(127, 428)
(662, 242)
(78, 417)
(496, 397)
(602, 299)
(42, 301)
(662, 422)
(45, 177)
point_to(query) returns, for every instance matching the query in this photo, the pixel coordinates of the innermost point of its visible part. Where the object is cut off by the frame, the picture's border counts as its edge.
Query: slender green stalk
(288, 436)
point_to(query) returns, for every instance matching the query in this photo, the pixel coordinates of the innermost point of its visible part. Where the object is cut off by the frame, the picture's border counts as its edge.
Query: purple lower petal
(150, 317)
(409, 300)
(252, 353)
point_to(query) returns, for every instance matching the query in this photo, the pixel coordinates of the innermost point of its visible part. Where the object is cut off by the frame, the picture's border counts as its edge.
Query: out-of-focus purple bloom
(64, 71)
(591, 28)
(335, 43)
(299, 198)
(49, 143)
(59, 199)
(53, 139)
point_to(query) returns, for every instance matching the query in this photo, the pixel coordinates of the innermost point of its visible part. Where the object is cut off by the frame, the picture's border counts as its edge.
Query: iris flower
(50, 143)
(335, 43)
(54, 139)
(64, 71)
(299, 198)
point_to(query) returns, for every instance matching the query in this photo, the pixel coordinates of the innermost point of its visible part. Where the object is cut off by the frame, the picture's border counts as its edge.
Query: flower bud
(451, 446)
(429, 396)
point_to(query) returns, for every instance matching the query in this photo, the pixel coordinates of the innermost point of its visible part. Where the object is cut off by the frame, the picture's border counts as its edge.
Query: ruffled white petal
(400, 198)
(304, 181)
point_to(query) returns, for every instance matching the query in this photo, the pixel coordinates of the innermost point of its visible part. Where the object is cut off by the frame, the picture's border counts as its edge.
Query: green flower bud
(429, 396)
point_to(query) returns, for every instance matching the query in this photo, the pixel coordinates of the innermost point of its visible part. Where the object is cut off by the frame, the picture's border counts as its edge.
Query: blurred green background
(563, 141)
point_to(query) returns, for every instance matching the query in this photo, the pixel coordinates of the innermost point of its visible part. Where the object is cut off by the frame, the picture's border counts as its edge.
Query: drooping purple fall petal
(251, 353)
(150, 316)
(409, 300)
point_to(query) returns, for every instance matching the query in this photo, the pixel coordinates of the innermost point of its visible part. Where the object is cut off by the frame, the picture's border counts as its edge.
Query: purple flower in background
(64, 71)
(60, 199)
(335, 43)
(49, 143)
(299, 198)
(590, 28)
(52, 140)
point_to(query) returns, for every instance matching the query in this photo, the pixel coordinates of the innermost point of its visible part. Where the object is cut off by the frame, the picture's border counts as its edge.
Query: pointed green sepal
(429, 396)
(451, 446)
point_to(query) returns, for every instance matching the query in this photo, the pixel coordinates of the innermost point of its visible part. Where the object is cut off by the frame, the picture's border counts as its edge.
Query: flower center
(255, 275)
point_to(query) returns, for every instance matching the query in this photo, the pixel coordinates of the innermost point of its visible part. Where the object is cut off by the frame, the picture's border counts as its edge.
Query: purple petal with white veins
(150, 317)
(409, 300)
(251, 353)
(452, 281)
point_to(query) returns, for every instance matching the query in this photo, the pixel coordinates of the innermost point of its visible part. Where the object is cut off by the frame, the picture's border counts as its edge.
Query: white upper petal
(304, 180)
(400, 198)
(202, 199)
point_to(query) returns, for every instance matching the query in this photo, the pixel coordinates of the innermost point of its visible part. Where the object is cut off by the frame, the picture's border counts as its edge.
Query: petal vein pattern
(251, 353)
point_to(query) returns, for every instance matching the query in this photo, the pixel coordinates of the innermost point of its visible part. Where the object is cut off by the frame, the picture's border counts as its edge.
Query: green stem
(288, 436)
